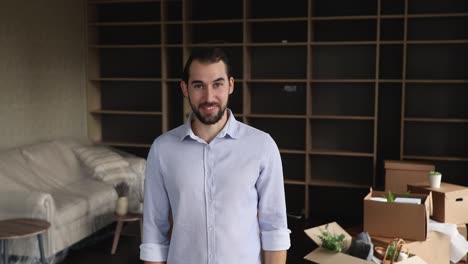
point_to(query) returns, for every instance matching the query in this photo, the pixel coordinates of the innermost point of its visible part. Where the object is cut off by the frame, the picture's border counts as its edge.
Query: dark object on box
(362, 247)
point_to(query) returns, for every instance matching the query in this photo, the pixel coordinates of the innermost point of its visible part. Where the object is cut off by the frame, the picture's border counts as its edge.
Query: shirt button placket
(209, 208)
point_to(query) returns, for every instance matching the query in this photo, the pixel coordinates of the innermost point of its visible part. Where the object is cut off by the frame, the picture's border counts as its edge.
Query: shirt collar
(231, 128)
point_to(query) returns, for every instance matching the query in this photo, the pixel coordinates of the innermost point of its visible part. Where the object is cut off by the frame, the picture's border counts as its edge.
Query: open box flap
(323, 256)
(333, 228)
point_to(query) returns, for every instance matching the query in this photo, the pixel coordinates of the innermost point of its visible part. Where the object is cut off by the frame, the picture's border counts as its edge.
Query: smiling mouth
(208, 107)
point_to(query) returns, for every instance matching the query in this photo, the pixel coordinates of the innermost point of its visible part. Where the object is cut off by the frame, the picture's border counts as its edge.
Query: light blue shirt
(227, 197)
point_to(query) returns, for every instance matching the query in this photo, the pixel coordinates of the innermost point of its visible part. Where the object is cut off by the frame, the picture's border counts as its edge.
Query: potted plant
(389, 196)
(435, 178)
(332, 242)
(122, 190)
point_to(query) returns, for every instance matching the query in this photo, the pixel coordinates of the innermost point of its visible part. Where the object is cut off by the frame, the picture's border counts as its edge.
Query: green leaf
(390, 197)
(391, 249)
(332, 242)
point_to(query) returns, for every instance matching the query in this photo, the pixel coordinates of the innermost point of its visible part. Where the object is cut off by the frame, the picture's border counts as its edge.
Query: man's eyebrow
(220, 79)
(196, 82)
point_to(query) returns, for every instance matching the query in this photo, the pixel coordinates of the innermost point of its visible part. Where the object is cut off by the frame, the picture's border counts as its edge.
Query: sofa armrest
(27, 204)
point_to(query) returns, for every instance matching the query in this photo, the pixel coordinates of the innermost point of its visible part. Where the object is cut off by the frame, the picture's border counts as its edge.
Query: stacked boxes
(407, 218)
(388, 220)
(324, 256)
(398, 174)
(408, 221)
(450, 202)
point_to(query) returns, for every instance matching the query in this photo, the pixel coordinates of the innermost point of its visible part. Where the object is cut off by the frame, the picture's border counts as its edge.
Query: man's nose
(209, 93)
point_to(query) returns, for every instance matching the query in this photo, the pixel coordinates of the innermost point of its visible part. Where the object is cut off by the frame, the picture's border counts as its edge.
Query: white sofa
(49, 181)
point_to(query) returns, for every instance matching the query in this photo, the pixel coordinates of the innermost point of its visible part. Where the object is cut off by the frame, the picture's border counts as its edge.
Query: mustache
(208, 104)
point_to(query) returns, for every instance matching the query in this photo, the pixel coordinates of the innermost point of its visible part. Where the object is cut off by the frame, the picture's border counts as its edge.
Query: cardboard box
(449, 202)
(435, 250)
(402, 220)
(324, 256)
(398, 174)
(462, 229)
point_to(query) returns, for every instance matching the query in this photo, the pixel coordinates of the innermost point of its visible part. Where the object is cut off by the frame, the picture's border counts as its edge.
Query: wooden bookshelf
(434, 116)
(340, 85)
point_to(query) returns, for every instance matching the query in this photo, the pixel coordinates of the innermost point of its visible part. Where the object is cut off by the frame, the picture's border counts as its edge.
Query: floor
(97, 250)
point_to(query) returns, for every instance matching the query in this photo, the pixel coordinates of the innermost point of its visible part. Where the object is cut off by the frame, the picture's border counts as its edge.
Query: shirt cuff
(276, 240)
(153, 252)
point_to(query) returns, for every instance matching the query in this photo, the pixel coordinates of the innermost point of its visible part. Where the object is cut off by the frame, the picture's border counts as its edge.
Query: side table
(20, 228)
(130, 217)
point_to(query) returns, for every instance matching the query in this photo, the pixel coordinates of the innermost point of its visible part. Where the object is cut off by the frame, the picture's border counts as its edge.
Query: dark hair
(206, 55)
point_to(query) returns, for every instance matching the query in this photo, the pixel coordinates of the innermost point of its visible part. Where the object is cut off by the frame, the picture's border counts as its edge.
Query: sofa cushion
(53, 164)
(138, 165)
(104, 164)
(82, 198)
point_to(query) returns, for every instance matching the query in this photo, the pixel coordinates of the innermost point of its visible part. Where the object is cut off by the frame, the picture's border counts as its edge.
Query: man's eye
(198, 86)
(216, 85)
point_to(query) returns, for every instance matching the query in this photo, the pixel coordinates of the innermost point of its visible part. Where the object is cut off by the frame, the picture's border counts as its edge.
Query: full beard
(208, 120)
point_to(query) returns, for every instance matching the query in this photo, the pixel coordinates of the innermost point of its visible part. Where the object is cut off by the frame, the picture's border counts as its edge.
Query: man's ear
(184, 88)
(231, 85)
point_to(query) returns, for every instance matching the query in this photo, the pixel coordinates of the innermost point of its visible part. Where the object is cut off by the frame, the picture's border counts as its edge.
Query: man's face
(208, 90)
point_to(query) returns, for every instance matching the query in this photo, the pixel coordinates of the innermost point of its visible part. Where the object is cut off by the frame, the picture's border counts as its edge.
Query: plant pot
(434, 180)
(121, 207)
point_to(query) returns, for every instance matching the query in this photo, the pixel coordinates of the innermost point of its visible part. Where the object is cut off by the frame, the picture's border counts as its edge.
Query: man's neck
(209, 132)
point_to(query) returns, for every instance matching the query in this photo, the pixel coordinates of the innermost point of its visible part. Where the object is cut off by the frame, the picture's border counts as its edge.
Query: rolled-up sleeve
(272, 206)
(153, 252)
(276, 240)
(155, 242)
